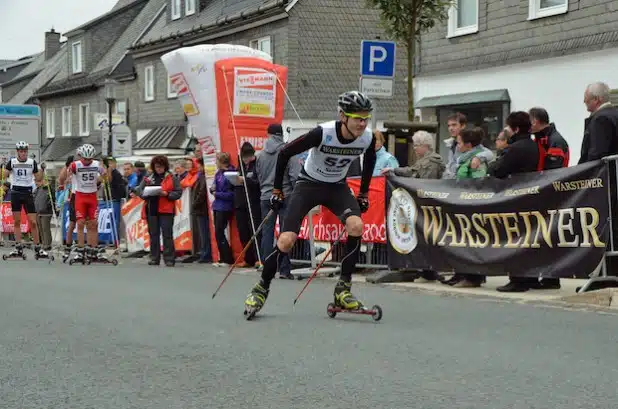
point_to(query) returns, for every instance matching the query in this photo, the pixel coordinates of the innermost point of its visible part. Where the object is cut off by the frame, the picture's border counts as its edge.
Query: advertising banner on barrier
(6, 215)
(137, 234)
(105, 219)
(550, 224)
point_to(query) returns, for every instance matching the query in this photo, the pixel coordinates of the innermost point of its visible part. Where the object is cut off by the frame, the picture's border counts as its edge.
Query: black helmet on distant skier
(354, 101)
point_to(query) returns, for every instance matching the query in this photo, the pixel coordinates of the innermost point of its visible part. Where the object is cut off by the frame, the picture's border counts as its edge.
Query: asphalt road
(134, 336)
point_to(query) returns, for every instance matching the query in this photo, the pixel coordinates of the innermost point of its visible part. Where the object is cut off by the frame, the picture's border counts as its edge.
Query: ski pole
(242, 253)
(315, 272)
(51, 200)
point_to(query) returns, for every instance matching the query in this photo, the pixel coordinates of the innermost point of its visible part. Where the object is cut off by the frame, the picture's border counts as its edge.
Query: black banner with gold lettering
(553, 223)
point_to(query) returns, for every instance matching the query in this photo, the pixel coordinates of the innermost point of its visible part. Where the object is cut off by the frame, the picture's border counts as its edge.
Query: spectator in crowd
(117, 184)
(502, 142)
(130, 176)
(383, 158)
(140, 171)
(521, 156)
(248, 215)
(223, 207)
(545, 133)
(601, 140)
(456, 123)
(160, 210)
(601, 127)
(265, 170)
(188, 179)
(428, 164)
(469, 143)
(44, 208)
(199, 209)
(179, 169)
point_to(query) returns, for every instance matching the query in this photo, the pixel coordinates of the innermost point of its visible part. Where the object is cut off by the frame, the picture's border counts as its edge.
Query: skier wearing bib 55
(88, 173)
(332, 147)
(24, 171)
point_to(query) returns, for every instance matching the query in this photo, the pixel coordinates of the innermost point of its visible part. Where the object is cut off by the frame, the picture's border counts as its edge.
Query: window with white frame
(76, 57)
(50, 123)
(121, 107)
(176, 13)
(189, 7)
(262, 44)
(463, 18)
(171, 89)
(84, 122)
(66, 121)
(546, 8)
(149, 83)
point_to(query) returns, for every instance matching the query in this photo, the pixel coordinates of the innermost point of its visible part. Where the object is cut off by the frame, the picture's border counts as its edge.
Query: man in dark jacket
(556, 146)
(521, 156)
(199, 209)
(248, 214)
(601, 127)
(601, 140)
(265, 170)
(556, 157)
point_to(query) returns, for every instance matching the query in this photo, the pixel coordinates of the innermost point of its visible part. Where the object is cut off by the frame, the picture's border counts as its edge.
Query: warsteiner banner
(549, 224)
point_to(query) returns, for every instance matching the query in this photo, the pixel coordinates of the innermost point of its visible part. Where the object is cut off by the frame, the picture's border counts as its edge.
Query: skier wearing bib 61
(332, 147)
(24, 171)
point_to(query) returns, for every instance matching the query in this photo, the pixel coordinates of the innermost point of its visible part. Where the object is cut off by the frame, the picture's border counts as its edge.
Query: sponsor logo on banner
(7, 225)
(401, 220)
(179, 84)
(254, 92)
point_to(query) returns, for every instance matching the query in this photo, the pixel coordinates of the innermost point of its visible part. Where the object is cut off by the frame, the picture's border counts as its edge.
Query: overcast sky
(23, 23)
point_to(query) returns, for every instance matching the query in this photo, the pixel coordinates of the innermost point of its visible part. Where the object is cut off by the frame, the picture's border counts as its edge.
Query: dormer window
(76, 57)
(176, 10)
(189, 7)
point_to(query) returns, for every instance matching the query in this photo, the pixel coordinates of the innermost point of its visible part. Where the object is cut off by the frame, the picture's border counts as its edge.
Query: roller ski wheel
(250, 313)
(4, 257)
(376, 311)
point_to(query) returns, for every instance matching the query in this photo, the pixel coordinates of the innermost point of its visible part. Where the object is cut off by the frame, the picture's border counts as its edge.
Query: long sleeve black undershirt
(311, 139)
(369, 162)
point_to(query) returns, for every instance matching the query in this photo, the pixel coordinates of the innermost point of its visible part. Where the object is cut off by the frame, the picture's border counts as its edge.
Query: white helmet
(88, 151)
(21, 146)
(79, 151)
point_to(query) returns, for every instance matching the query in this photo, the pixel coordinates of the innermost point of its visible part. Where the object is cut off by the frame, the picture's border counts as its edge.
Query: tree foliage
(404, 21)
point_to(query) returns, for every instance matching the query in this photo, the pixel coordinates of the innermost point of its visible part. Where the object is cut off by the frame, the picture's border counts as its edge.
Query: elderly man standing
(601, 127)
(600, 140)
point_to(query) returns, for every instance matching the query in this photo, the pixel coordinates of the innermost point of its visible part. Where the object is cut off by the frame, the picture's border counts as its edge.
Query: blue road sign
(20, 110)
(378, 58)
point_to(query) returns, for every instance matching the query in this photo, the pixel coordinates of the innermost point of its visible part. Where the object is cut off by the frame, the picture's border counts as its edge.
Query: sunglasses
(361, 117)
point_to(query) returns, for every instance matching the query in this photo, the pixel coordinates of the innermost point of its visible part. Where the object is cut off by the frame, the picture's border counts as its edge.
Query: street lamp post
(110, 97)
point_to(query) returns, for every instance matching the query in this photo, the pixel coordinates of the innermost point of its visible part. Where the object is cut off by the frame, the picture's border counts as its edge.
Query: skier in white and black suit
(332, 147)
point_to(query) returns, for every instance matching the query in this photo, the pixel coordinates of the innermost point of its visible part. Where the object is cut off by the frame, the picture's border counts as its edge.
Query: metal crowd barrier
(600, 278)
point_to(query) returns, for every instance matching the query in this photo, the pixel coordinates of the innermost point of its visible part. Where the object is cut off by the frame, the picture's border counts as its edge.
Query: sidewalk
(565, 296)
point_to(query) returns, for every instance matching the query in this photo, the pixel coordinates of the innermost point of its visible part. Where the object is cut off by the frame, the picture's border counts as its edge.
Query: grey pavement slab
(135, 336)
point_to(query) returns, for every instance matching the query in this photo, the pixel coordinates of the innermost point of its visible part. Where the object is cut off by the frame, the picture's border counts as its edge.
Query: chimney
(52, 43)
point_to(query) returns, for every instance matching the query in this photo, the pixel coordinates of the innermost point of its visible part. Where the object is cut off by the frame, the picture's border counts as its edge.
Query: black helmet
(354, 101)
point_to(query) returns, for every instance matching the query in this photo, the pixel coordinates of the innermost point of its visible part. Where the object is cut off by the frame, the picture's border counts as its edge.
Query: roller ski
(16, 253)
(39, 254)
(255, 300)
(98, 255)
(345, 302)
(67, 253)
(79, 258)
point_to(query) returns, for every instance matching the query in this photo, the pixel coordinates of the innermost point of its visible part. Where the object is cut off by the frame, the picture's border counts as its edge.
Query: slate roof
(52, 67)
(103, 17)
(114, 61)
(121, 4)
(217, 12)
(164, 137)
(61, 148)
(36, 65)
